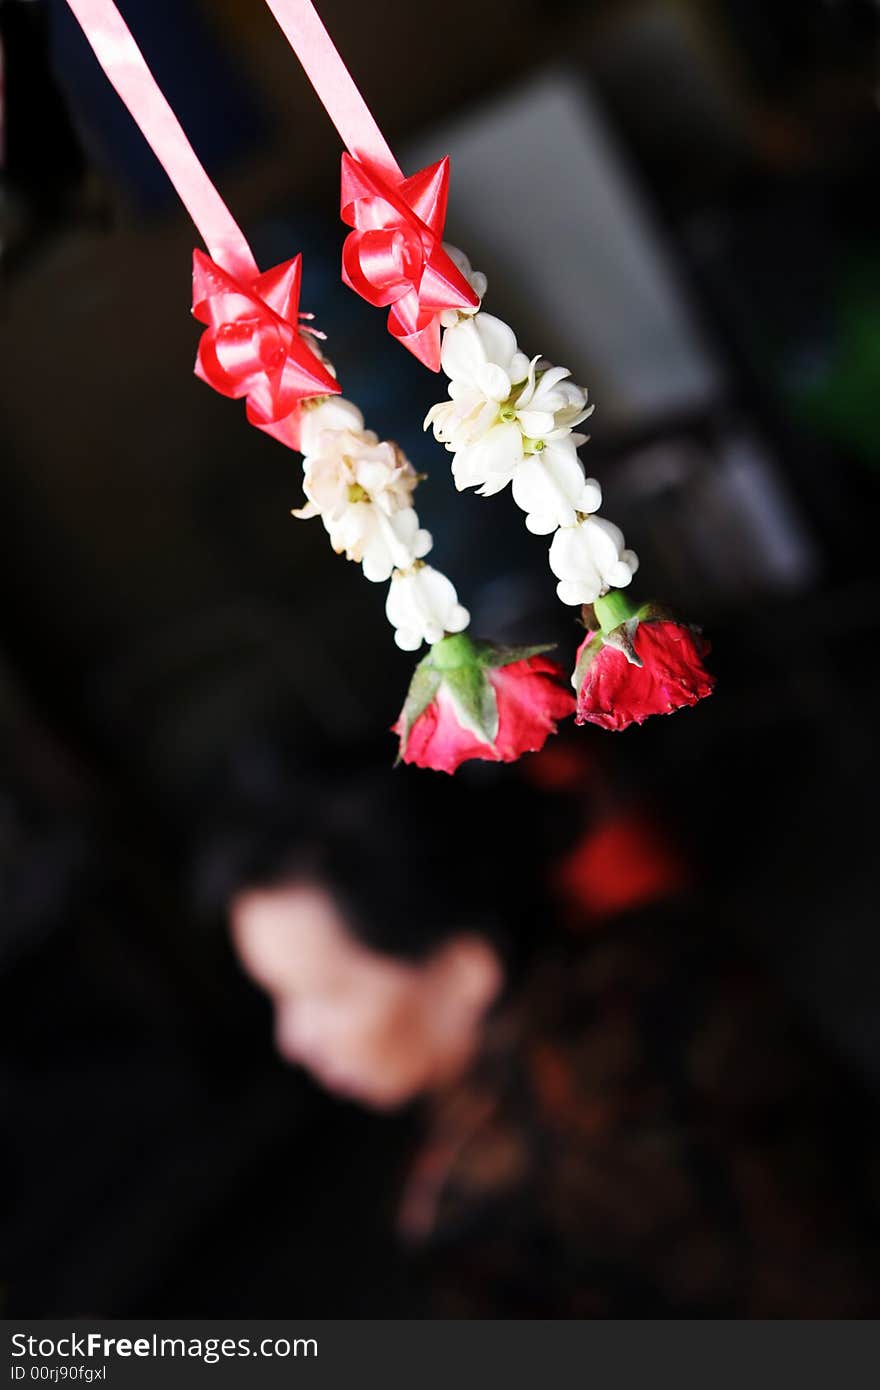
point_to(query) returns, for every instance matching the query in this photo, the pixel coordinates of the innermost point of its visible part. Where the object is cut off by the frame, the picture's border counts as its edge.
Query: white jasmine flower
(550, 487)
(502, 408)
(489, 464)
(349, 466)
(422, 606)
(589, 558)
(475, 278)
(327, 413)
(362, 490)
(481, 354)
(549, 405)
(483, 362)
(381, 543)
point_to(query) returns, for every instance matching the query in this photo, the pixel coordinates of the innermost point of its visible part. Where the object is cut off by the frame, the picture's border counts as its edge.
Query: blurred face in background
(366, 1025)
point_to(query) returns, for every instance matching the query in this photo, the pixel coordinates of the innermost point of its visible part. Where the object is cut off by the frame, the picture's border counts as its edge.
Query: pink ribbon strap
(394, 256)
(124, 64)
(331, 79)
(253, 346)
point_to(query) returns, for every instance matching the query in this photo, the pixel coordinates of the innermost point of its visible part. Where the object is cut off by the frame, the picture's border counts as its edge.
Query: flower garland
(508, 419)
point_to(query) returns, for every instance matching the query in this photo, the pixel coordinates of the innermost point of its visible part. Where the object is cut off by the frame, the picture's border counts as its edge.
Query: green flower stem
(613, 609)
(453, 651)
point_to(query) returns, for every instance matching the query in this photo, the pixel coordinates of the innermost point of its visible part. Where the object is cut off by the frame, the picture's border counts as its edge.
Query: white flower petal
(631, 560)
(457, 619)
(495, 483)
(492, 381)
(605, 539)
(463, 473)
(376, 565)
(541, 523)
(535, 424)
(382, 549)
(423, 601)
(465, 392)
(497, 339)
(570, 594)
(551, 377)
(518, 368)
(473, 345)
(550, 486)
(591, 497)
(492, 461)
(436, 417)
(332, 413)
(588, 559)
(475, 278)
(462, 353)
(409, 639)
(525, 396)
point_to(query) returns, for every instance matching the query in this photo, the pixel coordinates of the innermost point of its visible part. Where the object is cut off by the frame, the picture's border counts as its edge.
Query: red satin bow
(253, 346)
(395, 254)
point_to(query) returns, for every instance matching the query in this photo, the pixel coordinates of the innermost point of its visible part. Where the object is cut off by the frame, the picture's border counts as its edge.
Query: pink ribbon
(395, 254)
(253, 346)
(126, 68)
(331, 79)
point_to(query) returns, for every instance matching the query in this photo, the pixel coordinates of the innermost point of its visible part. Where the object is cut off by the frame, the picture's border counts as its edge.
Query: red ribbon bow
(253, 346)
(395, 254)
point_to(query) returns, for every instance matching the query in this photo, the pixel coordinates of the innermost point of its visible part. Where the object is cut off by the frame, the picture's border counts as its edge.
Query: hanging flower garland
(508, 420)
(469, 699)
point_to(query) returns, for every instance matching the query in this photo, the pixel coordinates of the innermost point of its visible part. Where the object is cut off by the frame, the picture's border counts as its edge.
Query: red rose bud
(473, 700)
(640, 662)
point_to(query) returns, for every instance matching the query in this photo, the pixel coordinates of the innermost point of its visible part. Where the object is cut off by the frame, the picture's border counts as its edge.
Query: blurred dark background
(672, 198)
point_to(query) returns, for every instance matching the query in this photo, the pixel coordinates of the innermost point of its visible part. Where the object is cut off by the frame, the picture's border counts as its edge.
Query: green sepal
(652, 612)
(585, 661)
(476, 705)
(490, 655)
(614, 609)
(422, 688)
(455, 649)
(623, 638)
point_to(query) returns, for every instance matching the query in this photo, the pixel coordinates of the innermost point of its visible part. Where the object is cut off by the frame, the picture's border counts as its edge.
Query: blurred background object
(674, 198)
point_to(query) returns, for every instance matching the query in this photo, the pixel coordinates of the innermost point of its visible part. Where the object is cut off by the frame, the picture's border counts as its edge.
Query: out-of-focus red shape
(395, 254)
(564, 766)
(625, 863)
(252, 345)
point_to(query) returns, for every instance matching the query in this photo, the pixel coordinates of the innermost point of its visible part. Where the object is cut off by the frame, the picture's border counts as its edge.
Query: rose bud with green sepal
(635, 661)
(473, 700)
